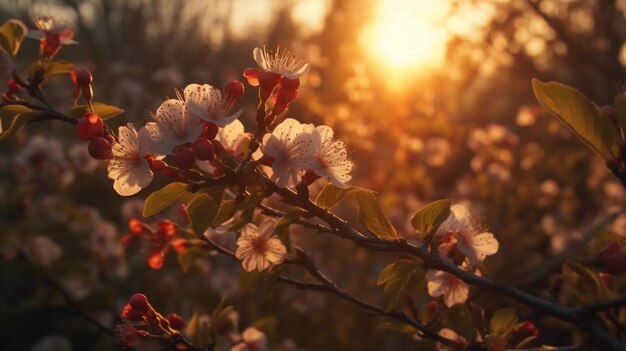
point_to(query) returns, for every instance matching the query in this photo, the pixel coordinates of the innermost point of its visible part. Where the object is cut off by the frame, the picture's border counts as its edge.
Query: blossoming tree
(228, 181)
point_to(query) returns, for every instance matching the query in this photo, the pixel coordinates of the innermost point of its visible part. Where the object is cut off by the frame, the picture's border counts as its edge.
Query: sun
(403, 37)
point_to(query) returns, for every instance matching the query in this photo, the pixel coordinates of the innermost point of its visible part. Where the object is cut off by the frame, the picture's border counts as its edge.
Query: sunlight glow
(405, 37)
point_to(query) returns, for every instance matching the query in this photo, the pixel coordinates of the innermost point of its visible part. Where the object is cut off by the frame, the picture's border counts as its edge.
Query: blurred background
(433, 99)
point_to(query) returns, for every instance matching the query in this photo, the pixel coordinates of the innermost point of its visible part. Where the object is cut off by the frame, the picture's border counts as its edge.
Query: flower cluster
(157, 240)
(140, 319)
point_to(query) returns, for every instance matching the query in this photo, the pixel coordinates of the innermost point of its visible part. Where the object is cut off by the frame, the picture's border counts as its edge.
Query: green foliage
(13, 118)
(161, 199)
(398, 277)
(12, 33)
(372, 217)
(247, 207)
(203, 210)
(227, 211)
(188, 256)
(330, 195)
(103, 110)
(503, 321)
(584, 281)
(579, 113)
(428, 219)
(59, 67)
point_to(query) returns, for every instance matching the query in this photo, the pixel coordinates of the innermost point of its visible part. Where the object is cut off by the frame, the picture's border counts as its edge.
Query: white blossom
(173, 127)
(231, 136)
(325, 156)
(129, 168)
(287, 151)
(453, 289)
(47, 25)
(43, 251)
(252, 340)
(475, 244)
(281, 62)
(259, 248)
(206, 102)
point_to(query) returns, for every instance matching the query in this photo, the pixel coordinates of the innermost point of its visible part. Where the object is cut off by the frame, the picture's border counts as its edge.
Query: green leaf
(398, 279)
(203, 211)
(103, 110)
(503, 321)
(187, 257)
(373, 217)
(10, 111)
(226, 211)
(585, 282)
(579, 113)
(161, 199)
(16, 124)
(59, 67)
(330, 195)
(12, 33)
(247, 207)
(606, 237)
(428, 219)
(397, 326)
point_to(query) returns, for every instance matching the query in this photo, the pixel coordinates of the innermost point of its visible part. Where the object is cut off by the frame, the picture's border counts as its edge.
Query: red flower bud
(100, 149)
(14, 88)
(83, 77)
(210, 130)
(166, 229)
(89, 126)
(176, 321)
(290, 84)
(156, 260)
(203, 149)
(139, 302)
(526, 330)
(128, 334)
(252, 76)
(130, 314)
(233, 90)
(184, 157)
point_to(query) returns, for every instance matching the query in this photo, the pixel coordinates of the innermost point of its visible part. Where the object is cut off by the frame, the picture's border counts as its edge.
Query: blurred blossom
(549, 187)
(527, 115)
(42, 159)
(108, 249)
(80, 158)
(53, 343)
(78, 288)
(43, 251)
(81, 219)
(614, 190)
(132, 208)
(498, 172)
(531, 154)
(168, 76)
(224, 282)
(437, 151)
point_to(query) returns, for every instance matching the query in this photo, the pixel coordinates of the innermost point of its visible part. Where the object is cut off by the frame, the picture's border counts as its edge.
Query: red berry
(176, 321)
(100, 149)
(233, 90)
(89, 126)
(136, 226)
(203, 149)
(139, 302)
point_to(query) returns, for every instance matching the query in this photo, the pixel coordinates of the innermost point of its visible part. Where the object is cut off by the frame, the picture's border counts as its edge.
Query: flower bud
(100, 149)
(130, 314)
(89, 126)
(83, 77)
(128, 334)
(203, 150)
(14, 88)
(184, 157)
(233, 90)
(166, 229)
(136, 226)
(176, 321)
(526, 330)
(139, 302)
(210, 130)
